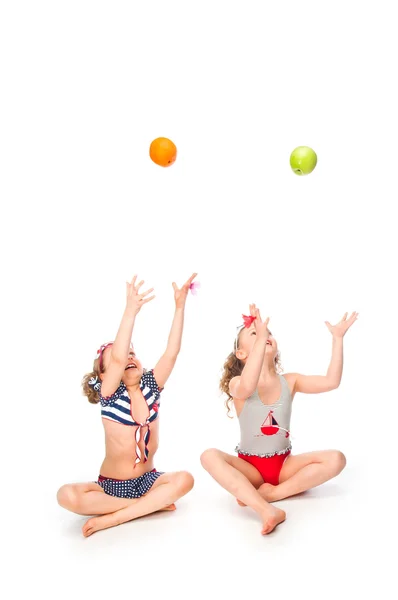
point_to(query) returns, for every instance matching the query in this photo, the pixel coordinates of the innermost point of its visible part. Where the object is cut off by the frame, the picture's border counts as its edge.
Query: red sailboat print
(270, 425)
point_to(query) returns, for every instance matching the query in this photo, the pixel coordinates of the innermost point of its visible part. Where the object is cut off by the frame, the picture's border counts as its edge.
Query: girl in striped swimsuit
(264, 470)
(129, 486)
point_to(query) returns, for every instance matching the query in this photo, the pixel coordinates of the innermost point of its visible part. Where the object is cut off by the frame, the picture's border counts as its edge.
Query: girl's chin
(132, 377)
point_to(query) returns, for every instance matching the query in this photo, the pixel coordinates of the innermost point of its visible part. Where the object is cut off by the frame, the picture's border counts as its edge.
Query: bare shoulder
(291, 379)
(237, 399)
(233, 384)
(234, 391)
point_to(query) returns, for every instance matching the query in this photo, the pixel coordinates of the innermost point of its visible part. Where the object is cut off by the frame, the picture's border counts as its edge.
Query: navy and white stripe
(118, 406)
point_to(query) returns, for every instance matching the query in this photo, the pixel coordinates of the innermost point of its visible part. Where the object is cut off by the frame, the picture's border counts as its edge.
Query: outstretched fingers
(255, 312)
(344, 324)
(188, 283)
(137, 287)
(146, 293)
(143, 299)
(190, 280)
(352, 319)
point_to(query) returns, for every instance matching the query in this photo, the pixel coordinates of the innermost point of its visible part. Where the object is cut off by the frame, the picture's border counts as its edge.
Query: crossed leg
(241, 479)
(90, 499)
(303, 472)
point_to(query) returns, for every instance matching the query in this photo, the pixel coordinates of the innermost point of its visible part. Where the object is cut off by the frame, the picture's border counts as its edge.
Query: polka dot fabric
(129, 488)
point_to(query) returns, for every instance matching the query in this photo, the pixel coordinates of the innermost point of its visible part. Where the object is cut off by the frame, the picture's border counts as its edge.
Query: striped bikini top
(117, 408)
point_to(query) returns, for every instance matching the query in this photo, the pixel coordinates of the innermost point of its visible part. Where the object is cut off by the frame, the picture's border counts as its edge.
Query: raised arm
(243, 386)
(316, 384)
(166, 363)
(120, 349)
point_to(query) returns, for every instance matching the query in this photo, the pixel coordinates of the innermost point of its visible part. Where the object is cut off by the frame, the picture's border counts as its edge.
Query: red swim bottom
(269, 468)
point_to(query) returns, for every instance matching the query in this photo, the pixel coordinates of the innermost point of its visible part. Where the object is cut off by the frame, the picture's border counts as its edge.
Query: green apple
(303, 160)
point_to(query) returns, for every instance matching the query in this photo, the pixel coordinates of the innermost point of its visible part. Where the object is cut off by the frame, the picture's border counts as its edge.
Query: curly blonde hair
(233, 367)
(91, 394)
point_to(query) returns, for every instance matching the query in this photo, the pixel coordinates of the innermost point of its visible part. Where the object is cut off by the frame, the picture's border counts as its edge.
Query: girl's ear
(240, 354)
(101, 376)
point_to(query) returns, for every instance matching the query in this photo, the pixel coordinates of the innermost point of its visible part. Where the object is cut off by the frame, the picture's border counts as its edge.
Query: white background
(85, 87)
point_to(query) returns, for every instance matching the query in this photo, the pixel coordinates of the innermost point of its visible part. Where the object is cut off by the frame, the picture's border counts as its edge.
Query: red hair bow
(247, 321)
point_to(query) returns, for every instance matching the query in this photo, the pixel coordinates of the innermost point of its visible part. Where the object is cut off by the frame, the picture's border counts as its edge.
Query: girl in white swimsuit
(265, 470)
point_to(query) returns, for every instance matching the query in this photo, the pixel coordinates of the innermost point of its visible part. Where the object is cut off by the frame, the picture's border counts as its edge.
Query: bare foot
(103, 522)
(97, 523)
(168, 508)
(267, 491)
(272, 518)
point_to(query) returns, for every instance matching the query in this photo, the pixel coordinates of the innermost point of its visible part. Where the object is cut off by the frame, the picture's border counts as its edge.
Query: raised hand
(135, 300)
(180, 294)
(342, 326)
(260, 326)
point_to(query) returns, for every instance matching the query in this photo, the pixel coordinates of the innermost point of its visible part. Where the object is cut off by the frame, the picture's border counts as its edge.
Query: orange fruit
(163, 152)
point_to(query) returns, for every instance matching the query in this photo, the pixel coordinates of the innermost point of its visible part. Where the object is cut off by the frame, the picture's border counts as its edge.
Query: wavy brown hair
(233, 367)
(89, 392)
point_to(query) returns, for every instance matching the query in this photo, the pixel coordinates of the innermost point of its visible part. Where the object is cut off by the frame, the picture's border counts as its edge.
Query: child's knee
(207, 458)
(67, 497)
(184, 482)
(338, 461)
